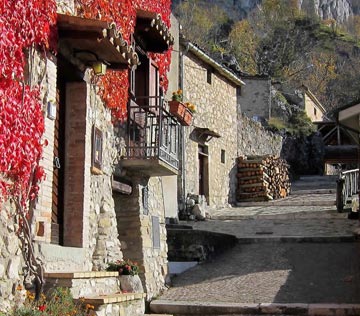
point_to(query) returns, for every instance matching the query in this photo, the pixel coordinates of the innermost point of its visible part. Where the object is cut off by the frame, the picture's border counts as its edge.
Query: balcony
(152, 138)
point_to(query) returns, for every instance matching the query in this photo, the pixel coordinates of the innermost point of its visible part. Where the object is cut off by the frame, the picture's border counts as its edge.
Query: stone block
(13, 268)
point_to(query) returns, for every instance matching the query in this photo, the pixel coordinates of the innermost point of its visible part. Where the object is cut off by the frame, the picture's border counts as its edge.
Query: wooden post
(339, 195)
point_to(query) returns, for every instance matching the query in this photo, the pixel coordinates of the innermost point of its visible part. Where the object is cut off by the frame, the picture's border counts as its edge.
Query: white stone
(131, 283)
(2, 270)
(109, 310)
(198, 212)
(13, 268)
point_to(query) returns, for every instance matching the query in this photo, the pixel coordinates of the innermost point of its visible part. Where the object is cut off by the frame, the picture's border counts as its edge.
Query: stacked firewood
(262, 178)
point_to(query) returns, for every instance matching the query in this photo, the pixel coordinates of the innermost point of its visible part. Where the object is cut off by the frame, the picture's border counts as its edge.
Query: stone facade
(255, 97)
(313, 108)
(215, 109)
(253, 139)
(220, 103)
(142, 232)
(11, 272)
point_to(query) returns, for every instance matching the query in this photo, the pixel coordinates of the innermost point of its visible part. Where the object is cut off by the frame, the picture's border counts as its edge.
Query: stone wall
(215, 109)
(11, 275)
(104, 242)
(142, 232)
(254, 98)
(253, 139)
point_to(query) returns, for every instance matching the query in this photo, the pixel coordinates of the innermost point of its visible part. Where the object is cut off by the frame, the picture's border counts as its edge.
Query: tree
(204, 24)
(243, 43)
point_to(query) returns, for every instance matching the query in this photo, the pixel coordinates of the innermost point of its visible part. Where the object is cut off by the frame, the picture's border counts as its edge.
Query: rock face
(339, 10)
(304, 154)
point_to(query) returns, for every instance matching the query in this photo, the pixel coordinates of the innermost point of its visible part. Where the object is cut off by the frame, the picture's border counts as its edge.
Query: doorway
(204, 171)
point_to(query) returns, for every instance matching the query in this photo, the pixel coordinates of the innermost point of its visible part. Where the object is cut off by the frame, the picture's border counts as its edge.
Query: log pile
(262, 178)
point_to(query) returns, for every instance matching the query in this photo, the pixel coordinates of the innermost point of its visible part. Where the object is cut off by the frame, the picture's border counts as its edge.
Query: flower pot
(181, 112)
(131, 284)
(187, 118)
(177, 108)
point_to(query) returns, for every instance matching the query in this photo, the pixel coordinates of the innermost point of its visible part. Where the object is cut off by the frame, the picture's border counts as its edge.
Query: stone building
(210, 144)
(103, 197)
(219, 133)
(312, 106)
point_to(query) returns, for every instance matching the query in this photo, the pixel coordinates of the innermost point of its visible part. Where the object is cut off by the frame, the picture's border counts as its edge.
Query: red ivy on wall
(123, 12)
(22, 23)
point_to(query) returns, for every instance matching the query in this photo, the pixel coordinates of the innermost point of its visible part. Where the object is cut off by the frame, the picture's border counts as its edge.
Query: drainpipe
(182, 133)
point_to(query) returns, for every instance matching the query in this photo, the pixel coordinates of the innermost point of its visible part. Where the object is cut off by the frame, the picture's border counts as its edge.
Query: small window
(155, 232)
(145, 200)
(315, 111)
(222, 156)
(97, 148)
(208, 76)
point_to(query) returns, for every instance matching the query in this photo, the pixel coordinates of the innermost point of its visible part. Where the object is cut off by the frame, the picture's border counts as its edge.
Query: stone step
(86, 283)
(222, 308)
(318, 178)
(301, 191)
(116, 304)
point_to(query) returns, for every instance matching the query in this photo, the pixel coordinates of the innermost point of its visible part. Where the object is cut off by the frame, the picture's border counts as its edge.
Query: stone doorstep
(80, 275)
(112, 298)
(202, 308)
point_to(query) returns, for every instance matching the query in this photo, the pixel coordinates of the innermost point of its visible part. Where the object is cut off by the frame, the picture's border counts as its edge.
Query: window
(222, 156)
(208, 75)
(97, 147)
(315, 111)
(155, 232)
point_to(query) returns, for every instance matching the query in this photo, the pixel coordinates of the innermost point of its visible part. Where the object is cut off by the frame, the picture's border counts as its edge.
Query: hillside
(339, 10)
(285, 39)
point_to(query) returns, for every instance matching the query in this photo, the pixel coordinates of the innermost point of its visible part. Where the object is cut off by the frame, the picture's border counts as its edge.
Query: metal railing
(152, 132)
(347, 186)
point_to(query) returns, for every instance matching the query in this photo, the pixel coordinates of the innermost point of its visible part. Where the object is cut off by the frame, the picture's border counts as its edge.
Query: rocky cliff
(339, 10)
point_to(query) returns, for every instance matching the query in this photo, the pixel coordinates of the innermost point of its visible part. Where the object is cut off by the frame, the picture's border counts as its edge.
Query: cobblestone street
(294, 255)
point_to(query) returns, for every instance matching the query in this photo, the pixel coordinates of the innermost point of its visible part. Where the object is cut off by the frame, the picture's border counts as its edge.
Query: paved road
(319, 262)
(275, 273)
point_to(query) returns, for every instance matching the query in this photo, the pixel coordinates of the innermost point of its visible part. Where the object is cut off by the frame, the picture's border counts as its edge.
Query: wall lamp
(99, 66)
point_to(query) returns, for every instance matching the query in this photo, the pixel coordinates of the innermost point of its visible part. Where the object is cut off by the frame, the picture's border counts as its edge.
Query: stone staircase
(100, 289)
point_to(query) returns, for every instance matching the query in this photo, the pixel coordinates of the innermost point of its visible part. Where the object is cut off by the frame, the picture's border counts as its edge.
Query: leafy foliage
(124, 267)
(114, 85)
(290, 45)
(59, 303)
(23, 23)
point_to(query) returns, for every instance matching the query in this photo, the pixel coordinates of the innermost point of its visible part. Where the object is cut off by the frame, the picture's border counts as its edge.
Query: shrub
(124, 267)
(59, 303)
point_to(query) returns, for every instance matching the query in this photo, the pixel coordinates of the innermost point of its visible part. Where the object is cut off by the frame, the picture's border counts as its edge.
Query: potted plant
(128, 275)
(182, 111)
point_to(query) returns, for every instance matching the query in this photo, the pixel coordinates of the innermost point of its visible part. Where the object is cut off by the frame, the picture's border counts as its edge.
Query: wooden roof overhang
(151, 33)
(91, 40)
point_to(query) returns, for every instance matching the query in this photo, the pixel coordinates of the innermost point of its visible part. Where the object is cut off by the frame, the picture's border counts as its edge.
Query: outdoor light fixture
(99, 68)
(92, 59)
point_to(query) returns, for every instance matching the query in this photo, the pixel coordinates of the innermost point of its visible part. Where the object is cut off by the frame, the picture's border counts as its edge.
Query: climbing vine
(123, 12)
(23, 23)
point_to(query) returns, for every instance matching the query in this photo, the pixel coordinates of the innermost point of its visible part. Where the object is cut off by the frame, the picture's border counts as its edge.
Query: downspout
(182, 134)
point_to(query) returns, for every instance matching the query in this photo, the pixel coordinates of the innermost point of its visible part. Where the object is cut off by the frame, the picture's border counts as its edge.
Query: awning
(203, 135)
(151, 32)
(91, 40)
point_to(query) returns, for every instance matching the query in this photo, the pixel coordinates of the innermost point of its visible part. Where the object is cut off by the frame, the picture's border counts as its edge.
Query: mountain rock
(339, 10)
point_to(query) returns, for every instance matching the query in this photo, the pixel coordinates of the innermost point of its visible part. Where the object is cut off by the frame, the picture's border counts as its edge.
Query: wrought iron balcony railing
(152, 132)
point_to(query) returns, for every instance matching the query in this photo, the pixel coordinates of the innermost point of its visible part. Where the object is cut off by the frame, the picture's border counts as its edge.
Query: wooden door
(58, 171)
